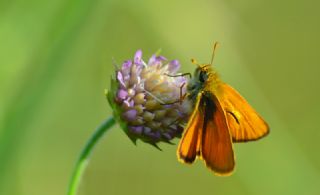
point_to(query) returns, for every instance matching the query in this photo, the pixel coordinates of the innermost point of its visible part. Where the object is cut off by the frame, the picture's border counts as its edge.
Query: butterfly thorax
(205, 79)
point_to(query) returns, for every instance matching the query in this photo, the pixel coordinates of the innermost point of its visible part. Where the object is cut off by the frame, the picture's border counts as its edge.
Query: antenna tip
(215, 45)
(193, 61)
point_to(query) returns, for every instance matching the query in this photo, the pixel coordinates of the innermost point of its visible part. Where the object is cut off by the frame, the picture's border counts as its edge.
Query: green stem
(84, 156)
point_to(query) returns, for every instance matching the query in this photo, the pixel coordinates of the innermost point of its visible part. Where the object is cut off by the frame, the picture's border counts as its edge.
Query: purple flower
(141, 94)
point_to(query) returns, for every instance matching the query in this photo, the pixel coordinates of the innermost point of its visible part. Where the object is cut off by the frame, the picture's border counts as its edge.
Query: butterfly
(220, 117)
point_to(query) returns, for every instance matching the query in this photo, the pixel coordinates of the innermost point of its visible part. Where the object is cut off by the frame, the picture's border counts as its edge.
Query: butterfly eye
(203, 76)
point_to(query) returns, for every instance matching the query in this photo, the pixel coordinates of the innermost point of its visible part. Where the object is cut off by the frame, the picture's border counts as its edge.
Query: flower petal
(120, 79)
(139, 98)
(148, 116)
(138, 57)
(160, 58)
(130, 115)
(122, 94)
(126, 65)
(146, 130)
(128, 103)
(154, 60)
(136, 129)
(174, 66)
(167, 136)
(154, 135)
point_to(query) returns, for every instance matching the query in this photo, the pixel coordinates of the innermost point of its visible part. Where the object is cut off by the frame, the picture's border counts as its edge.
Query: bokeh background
(56, 61)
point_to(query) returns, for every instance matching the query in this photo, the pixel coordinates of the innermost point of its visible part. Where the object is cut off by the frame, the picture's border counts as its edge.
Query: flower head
(141, 96)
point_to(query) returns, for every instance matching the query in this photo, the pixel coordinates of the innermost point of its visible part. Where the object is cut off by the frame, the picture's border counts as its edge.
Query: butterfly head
(205, 71)
(205, 77)
(200, 77)
(202, 72)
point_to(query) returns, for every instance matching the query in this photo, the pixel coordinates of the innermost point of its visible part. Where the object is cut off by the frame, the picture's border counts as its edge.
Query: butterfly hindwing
(216, 145)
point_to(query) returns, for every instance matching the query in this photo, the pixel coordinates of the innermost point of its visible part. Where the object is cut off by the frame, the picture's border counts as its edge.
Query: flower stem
(84, 156)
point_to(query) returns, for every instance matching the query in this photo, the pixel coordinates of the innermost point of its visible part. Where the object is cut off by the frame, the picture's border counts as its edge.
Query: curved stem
(84, 156)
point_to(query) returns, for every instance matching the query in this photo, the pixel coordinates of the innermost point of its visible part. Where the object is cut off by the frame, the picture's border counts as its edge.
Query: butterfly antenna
(215, 46)
(194, 61)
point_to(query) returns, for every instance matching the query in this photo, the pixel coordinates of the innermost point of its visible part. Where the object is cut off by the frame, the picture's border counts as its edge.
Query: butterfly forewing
(244, 122)
(216, 145)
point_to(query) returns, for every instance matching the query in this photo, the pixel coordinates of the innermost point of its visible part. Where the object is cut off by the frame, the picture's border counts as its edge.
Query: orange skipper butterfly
(220, 117)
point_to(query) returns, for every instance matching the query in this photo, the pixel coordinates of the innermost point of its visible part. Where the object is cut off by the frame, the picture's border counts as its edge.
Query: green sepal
(155, 145)
(157, 53)
(168, 142)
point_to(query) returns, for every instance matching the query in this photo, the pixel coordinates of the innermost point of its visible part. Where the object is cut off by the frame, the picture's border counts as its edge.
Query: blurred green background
(56, 61)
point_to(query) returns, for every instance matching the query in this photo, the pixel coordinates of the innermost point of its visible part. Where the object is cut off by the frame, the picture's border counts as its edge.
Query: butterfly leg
(180, 75)
(181, 98)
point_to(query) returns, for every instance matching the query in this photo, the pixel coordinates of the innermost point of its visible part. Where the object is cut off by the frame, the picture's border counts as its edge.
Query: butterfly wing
(244, 122)
(216, 145)
(189, 143)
